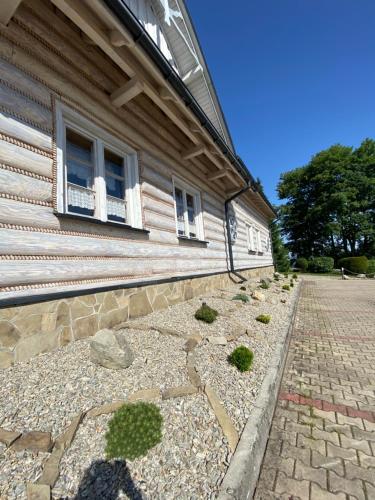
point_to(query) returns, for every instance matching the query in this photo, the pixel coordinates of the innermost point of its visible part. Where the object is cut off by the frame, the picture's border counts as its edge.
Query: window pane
(116, 209)
(114, 164)
(81, 200)
(115, 187)
(190, 202)
(78, 173)
(180, 211)
(78, 146)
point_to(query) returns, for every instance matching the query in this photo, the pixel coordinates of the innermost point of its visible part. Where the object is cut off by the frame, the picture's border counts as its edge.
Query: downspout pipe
(230, 249)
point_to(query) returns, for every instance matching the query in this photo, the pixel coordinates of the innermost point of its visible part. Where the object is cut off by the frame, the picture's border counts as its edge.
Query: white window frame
(250, 238)
(68, 118)
(258, 240)
(187, 188)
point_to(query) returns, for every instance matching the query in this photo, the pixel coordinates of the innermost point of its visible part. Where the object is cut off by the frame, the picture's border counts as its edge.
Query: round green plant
(241, 358)
(206, 313)
(286, 287)
(263, 318)
(295, 276)
(242, 297)
(264, 284)
(134, 429)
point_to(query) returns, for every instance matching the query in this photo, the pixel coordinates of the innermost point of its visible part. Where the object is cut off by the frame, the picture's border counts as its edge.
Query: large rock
(34, 441)
(111, 350)
(256, 295)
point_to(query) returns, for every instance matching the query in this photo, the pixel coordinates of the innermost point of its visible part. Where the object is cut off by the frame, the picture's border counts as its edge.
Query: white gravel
(46, 392)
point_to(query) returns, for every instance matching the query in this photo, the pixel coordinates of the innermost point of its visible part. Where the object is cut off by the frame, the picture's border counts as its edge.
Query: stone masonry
(322, 440)
(28, 330)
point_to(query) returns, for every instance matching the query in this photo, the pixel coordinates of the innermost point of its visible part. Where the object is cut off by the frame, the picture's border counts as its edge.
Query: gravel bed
(189, 463)
(46, 392)
(238, 391)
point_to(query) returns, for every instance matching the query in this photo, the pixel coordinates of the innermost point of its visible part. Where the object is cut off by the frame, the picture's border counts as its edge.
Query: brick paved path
(322, 440)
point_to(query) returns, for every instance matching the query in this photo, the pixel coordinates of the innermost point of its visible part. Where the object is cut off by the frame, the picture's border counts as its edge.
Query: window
(259, 241)
(188, 211)
(97, 173)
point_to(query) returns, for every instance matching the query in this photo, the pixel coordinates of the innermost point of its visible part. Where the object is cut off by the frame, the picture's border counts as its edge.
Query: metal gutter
(142, 38)
(230, 250)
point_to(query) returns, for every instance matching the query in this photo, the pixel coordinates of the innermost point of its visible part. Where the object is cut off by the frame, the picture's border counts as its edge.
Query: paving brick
(317, 493)
(356, 444)
(354, 472)
(332, 437)
(339, 484)
(285, 484)
(311, 443)
(289, 451)
(285, 465)
(366, 460)
(343, 419)
(365, 435)
(303, 471)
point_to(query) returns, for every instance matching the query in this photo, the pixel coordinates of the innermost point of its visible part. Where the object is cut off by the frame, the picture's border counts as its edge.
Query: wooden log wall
(43, 58)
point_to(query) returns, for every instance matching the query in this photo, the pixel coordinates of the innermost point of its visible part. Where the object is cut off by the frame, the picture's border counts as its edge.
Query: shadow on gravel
(106, 480)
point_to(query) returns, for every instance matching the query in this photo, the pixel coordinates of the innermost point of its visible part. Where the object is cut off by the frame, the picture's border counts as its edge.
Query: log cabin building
(120, 189)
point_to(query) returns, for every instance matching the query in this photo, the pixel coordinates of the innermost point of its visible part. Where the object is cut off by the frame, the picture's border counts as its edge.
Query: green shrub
(321, 264)
(286, 287)
(242, 297)
(291, 283)
(357, 265)
(243, 288)
(133, 430)
(264, 284)
(295, 276)
(276, 277)
(286, 275)
(371, 266)
(241, 358)
(302, 264)
(206, 313)
(263, 318)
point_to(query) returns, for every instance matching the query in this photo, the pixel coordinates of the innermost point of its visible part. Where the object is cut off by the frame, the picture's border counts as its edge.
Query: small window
(251, 242)
(97, 173)
(188, 211)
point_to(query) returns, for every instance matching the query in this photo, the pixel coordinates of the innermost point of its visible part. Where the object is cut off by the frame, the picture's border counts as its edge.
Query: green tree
(280, 252)
(329, 207)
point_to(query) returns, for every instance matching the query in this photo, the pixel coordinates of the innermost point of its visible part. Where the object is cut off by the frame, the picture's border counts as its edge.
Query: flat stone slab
(34, 441)
(8, 437)
(105, 409)
(38, 491)
(145, 395)
(51, 468)
(180, 391)
(212, 339)
(224, 420)
(65, 440)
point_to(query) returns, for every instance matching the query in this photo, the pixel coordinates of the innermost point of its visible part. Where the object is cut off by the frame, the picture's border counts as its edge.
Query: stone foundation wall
(28, 330)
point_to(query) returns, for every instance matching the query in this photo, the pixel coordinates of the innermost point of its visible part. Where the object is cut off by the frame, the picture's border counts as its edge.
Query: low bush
(302, 264)
(321, 264)
(286, 275)
(243, 288)
(357, 265)
(286, 287)
(241, 358)
(265, 285)
(263, 318)
(291, 283)
(206, 313)
(371, 266)
(242, 297)
(277, 277)
(133, 430)
(295, 276)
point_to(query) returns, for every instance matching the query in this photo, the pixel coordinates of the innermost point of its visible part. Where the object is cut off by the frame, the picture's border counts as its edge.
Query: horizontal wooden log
(155, 192)
(25, 108)
(18, 156)
(17, 242)
(24, 186)
(18, 272)
(14, 127)
(159, 207)
(26, 84)
(158, 221)
(159, 179)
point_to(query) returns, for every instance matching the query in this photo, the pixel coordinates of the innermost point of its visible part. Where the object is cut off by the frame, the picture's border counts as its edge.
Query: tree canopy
(330, 203)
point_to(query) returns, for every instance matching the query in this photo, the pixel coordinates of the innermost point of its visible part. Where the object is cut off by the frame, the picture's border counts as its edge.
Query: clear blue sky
(293, 76)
